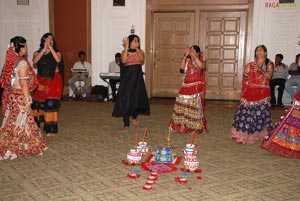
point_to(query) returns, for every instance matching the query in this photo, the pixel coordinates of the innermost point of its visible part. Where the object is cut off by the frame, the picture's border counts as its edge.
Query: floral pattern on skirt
(19, 134)
(188, 116)
(252, 121)
(284, 139)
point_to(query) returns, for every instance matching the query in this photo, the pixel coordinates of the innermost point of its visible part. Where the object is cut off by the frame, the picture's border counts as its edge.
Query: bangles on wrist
(245, 76)
(262, 72)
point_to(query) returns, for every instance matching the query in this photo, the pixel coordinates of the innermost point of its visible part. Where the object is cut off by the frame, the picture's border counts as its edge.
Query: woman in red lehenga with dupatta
(188, 114)
(284, 139)
(19, 134)
(252, 120)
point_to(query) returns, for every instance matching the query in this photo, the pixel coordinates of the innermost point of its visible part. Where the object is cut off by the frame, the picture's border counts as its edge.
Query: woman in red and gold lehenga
(252, 120)
(19, 134)
(284, 139)
(188, 114)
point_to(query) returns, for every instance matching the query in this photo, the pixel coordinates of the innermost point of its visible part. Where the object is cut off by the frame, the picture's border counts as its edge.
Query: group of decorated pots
(135, 155)
(190, 157)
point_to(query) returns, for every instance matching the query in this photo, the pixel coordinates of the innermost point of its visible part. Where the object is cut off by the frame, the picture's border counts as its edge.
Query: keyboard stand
(110, 76)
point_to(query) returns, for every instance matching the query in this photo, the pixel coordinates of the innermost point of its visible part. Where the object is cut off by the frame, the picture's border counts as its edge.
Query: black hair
(279, 55)
(81, 53)
(18, 42)
(118, 55)
(131, 38)
(266, 50)
(46, 35)
(197, 49)
(297, 58)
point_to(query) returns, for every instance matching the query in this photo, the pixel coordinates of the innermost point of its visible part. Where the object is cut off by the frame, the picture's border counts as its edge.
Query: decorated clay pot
(143, 147)
(191, 164)
(190, 156)
(134, 156)
(189, 152)
(189, 148)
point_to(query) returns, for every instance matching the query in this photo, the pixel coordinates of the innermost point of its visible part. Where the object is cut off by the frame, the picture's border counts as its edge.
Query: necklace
(260, 65)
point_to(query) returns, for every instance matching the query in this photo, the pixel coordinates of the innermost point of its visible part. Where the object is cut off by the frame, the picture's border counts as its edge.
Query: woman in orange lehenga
(284, 139)
(252, 120)
(50, 71)
(188, 115)
(19, 134)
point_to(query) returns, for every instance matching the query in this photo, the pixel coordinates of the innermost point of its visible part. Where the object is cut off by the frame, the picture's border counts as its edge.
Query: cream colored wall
(30, 21)
(109, 26)
(277, 28)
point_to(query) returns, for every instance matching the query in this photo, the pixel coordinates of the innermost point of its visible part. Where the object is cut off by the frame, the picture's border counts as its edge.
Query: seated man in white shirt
(294, 80)
(114, 67)
(279, 77)
(82, 72)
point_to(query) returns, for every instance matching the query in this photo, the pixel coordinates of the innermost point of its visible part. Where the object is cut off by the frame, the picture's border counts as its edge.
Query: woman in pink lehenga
(284, 139)
(19, 134)
(188, 115)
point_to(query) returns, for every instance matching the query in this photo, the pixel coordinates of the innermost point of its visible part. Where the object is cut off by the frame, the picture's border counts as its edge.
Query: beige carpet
(84, 161)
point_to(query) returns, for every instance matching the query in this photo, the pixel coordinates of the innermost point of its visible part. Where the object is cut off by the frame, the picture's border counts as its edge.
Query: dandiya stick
(193, 137)
(145, 134)
(136, 139)
(194, 151)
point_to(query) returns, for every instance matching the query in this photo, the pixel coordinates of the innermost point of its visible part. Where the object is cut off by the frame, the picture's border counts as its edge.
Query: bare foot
(126, 129)
(50, 134)
(135, 122)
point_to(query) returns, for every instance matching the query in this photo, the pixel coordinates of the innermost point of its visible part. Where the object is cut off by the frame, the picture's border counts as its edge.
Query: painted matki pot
(143, 147)
(134, 156)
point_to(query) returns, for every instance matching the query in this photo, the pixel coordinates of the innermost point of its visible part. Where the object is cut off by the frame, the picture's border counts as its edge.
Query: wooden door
(173, 32)
(222, 35)
(77, 20)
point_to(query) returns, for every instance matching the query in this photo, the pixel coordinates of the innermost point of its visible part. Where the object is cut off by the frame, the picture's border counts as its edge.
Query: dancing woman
(132, 98)
(252, 119)
(284, 139)
(50, 71)
(188, 114)
(19, 134)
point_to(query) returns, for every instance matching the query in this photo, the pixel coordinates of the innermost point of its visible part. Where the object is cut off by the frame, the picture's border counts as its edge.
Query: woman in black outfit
(132, 98)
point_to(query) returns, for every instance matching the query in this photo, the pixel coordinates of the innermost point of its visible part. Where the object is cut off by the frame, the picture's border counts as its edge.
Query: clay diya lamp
(133, 176)
(150, 182)
(155, 174)
(147, 187)
(151, 178)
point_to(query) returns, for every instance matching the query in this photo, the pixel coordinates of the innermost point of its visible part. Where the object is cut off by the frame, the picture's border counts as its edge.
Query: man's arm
(294, 69)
